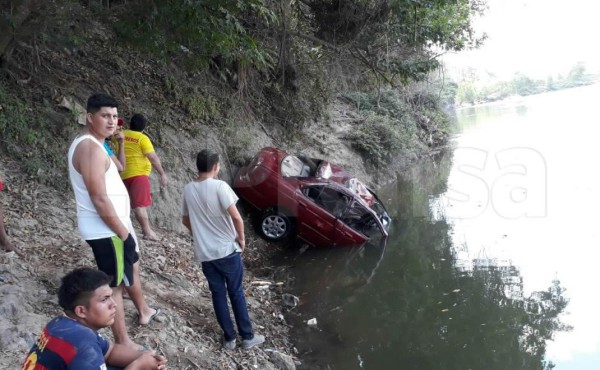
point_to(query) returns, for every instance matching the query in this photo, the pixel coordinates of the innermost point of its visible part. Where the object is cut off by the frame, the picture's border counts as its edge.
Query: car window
(331, 200)
(313, 192)
(292, 166)
(361, 220)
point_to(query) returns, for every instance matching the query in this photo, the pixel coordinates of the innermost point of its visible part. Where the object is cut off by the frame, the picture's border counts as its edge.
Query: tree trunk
(13, 14)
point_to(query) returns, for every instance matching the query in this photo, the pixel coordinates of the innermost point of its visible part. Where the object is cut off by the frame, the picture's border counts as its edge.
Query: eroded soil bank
(42, 223)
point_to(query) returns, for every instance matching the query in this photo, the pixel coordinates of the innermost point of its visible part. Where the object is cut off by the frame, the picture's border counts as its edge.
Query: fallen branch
(261, 282)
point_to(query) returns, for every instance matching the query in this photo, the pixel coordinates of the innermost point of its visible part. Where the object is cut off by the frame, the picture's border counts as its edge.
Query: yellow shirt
(137, 145)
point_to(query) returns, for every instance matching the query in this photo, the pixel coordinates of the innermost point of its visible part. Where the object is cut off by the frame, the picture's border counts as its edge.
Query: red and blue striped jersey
(67, 344)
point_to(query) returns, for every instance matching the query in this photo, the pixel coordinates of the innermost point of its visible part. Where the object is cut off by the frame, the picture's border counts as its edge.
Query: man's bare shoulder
(87, 153)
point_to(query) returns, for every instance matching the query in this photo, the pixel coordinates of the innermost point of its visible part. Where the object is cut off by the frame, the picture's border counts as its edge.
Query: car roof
(270, 158)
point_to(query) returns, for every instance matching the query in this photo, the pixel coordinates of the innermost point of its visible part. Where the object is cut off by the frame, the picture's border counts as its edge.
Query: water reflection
(338, 274)
(421, 302)
(521, 110)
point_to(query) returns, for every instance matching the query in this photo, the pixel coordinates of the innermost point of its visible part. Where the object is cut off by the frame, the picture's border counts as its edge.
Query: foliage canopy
(201, 29)
(395, 40)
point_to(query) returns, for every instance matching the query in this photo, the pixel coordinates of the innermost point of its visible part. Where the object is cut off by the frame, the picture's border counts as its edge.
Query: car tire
(274, 225)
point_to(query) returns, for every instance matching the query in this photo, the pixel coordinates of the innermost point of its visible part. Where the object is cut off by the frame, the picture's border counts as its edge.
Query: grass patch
(202, 107)
(28, 136)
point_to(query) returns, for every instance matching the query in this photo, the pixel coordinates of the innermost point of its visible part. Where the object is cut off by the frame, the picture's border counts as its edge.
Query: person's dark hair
(97, 101)
(138, 122)
(206, 159)
(78, 286)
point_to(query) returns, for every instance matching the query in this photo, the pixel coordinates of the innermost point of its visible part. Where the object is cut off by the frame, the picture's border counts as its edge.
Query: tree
(397, 40)
(524, 85)
(550, 85)
(201, 31)
(576, 76)
(14, 14)
(466, 93)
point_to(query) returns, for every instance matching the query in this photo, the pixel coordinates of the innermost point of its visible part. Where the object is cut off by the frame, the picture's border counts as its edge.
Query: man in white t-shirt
(210, 213)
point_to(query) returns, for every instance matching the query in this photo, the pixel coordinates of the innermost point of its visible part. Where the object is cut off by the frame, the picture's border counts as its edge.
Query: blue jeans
(225, 277)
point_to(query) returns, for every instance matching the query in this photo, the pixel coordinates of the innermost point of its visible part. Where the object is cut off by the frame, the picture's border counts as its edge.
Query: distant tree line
(469, 92)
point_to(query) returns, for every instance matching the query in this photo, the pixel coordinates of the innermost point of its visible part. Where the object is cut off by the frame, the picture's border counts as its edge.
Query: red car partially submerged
(311, 199)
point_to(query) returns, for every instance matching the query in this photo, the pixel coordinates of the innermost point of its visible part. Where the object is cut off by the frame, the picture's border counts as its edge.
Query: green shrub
(14, 121)
(196, 31)
(388, 103)
(172, 87)
(398, 123)
(202, 107)
(377, 138)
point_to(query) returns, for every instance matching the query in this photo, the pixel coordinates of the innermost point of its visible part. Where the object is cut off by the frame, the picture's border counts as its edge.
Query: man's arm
(153, 158)
(186, 222)
(126, 357)
(117, 163)
(120, 137)
(238, 223)
(91, 162)
(112, 156)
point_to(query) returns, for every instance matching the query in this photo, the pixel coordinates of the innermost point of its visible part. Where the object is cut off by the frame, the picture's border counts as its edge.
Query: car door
(356, 225)
(317, 205)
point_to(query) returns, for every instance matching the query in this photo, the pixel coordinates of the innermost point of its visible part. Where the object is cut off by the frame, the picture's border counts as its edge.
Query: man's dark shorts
(115, 258)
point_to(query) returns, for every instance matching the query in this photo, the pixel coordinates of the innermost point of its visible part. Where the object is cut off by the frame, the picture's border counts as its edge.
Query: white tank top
(89, 223)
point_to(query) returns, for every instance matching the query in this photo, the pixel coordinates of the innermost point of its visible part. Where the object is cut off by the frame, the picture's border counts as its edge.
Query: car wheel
(274, 225)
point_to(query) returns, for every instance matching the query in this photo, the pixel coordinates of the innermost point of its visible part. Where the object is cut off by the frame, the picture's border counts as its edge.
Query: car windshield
(329, 199)
(353, 212)
(361, 219)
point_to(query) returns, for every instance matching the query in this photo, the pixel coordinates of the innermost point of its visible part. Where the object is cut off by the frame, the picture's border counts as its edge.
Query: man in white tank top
(103, 211)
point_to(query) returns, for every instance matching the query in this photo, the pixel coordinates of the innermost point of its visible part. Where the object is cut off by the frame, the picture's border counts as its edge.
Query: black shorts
(115, 259)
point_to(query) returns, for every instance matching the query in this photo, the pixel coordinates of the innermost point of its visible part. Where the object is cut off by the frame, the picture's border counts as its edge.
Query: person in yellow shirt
(141, 158)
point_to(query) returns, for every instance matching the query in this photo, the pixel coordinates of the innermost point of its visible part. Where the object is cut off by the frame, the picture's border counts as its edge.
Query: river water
(492, 260)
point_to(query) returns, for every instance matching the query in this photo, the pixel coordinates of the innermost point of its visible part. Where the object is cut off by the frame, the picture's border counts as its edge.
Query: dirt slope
(42, 223)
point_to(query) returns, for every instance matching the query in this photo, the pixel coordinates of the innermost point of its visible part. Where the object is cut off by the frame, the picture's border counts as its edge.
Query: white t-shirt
(206, 203)
(90, 224)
